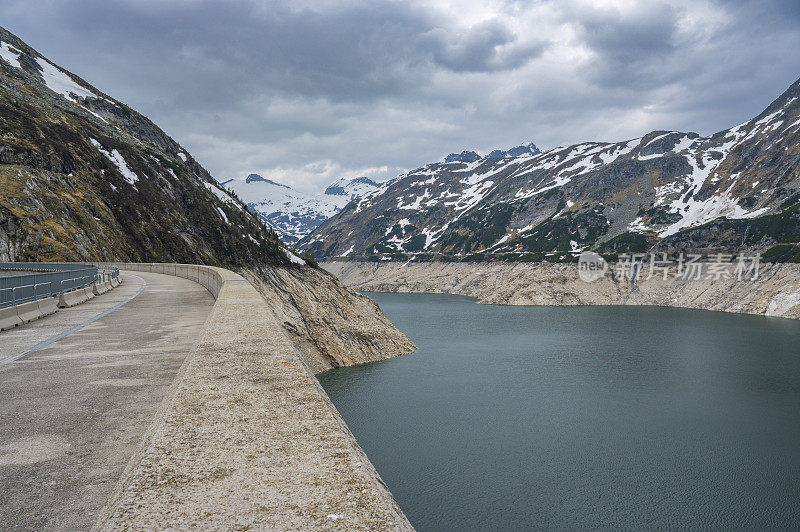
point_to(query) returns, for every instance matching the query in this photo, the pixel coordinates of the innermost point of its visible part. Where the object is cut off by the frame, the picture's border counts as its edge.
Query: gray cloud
(633, 48)
(307, 92)
(479, 49)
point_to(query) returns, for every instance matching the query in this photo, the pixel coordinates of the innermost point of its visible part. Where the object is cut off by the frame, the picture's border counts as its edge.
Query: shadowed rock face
(666, 188)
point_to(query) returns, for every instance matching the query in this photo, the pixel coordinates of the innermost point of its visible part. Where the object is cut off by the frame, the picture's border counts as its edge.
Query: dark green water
(588, 417)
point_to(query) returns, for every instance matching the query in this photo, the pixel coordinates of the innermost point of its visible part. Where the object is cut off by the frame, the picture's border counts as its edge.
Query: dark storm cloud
(631, 48)
(308, 91)
(477, 50)
(230, 49)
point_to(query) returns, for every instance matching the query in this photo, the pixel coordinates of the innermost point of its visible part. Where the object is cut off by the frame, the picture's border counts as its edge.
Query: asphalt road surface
(78, 391)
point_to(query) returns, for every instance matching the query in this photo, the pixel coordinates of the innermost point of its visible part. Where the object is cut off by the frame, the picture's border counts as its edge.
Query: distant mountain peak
(364, 180)
(292, 213)
(469, 156)
(256, 178)
(466, 156)
(253, 177)
(524, 149)
(345, 187)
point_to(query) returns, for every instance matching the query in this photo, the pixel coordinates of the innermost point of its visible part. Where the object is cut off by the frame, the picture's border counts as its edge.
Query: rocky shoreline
(775, 293)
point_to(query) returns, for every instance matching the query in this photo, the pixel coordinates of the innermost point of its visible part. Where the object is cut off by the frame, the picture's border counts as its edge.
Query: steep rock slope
(331, 325)
(738, 187)
(291, 213)
(84, 177)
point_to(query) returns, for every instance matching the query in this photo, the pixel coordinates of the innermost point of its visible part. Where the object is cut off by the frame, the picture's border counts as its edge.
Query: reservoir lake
(513, 417)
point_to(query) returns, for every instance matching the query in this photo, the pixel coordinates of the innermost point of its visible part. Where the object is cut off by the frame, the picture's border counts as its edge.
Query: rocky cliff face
(85, 178)
(775, 293)
(331, 325)
(735, 189)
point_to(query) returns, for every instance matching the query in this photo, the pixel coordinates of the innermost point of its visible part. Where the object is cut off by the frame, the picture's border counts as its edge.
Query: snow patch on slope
(59, 82)
(119, 161)
(294, 258)
(9, 55)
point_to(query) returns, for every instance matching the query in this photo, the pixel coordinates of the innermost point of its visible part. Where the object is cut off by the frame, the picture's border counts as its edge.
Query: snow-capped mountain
(294, 214)
(736, 188)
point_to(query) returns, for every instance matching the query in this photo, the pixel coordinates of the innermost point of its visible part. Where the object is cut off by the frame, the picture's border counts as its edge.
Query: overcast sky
(306, 91)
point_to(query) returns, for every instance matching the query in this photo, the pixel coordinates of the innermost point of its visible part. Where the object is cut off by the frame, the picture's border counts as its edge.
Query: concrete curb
(70, 299)
(9, 318)
(249, 440)
(28, 312)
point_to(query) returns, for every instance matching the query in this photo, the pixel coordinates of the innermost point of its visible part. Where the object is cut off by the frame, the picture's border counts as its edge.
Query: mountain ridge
(661, 189)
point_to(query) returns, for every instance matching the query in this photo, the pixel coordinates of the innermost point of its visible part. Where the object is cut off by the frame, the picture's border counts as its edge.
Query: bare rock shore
(775, 293)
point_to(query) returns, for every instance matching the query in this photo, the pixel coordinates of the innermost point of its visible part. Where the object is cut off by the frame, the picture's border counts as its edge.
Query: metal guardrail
(47, 279)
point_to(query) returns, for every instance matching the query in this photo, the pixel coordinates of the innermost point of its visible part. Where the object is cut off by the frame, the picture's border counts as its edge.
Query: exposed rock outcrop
(331, 325)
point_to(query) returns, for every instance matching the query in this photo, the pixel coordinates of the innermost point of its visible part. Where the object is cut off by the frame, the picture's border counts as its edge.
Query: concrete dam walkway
(175, 401)
(78, 390)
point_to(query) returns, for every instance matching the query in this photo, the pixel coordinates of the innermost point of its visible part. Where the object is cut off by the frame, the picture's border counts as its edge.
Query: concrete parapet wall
(248, 439)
